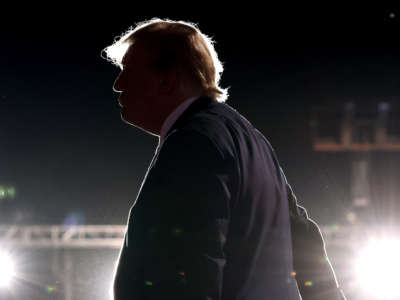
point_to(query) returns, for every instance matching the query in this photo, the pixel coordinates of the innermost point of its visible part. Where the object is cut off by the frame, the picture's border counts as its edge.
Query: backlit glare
(6, 269)
(378, 268)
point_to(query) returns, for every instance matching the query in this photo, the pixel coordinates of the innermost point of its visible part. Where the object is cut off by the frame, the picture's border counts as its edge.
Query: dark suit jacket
(212, 221)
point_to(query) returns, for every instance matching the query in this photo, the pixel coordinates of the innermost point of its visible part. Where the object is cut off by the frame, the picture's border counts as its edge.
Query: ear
(168, 82)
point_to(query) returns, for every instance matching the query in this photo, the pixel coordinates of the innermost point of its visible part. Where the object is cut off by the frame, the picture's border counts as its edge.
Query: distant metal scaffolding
(354, 127)
(55, 236)
(109, 236)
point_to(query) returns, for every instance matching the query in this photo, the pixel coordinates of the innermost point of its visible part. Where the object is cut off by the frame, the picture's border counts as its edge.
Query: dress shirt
(173, 116)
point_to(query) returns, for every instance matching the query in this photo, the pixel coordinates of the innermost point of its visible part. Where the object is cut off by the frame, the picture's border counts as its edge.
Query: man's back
(258, 247)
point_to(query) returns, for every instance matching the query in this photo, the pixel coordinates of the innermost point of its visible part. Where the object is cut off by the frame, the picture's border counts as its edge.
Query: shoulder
(189, 143)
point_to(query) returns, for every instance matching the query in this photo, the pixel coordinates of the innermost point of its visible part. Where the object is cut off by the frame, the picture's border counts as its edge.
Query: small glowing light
(378, 268)
(308, 283)
(392, 15)
(50, 289)
(351, 217)
(11, 192)
(335, 227)
(6, 270)
(182, 273)
(7, 192)
(148, 283)
(177, 231)
(384, 106)
(293, 273)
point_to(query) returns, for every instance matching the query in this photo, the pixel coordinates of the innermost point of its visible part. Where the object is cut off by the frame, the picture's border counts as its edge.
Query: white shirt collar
(174, 115)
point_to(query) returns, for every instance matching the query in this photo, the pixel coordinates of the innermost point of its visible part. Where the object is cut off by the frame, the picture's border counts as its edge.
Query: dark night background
(71, 158)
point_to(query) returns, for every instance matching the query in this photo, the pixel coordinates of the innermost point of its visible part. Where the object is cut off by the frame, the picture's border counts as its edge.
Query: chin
(131, 122)
(126, 120)
(137, 123)
(124, 117)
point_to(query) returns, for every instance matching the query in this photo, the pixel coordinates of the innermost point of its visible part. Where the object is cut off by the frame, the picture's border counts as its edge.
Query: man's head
(163, 63)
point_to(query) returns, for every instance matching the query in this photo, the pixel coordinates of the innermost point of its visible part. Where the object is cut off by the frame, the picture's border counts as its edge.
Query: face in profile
(138, 86)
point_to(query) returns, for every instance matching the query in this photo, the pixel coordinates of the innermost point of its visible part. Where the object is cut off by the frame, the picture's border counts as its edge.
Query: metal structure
(55, 236)
(354, 128)
(111, 236)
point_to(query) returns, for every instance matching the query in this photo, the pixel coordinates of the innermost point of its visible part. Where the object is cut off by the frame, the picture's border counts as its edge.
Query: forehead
(135, 52)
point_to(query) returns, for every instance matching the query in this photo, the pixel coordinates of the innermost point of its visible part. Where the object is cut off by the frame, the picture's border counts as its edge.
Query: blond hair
(175, 44)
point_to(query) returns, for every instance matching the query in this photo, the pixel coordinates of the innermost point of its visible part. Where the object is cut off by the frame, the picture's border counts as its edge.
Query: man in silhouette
(215, 217)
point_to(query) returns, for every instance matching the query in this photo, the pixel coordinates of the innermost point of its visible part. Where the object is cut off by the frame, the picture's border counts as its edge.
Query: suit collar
(201, 103)
(174, 115)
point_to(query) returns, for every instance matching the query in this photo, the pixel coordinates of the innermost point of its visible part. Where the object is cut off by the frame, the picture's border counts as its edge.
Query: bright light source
(6, 269)
(378, 268)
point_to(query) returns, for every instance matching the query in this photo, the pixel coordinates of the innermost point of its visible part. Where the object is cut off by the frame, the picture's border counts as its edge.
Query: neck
(166, 106)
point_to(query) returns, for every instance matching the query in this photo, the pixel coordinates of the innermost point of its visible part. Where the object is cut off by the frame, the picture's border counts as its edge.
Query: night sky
(71, 158)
